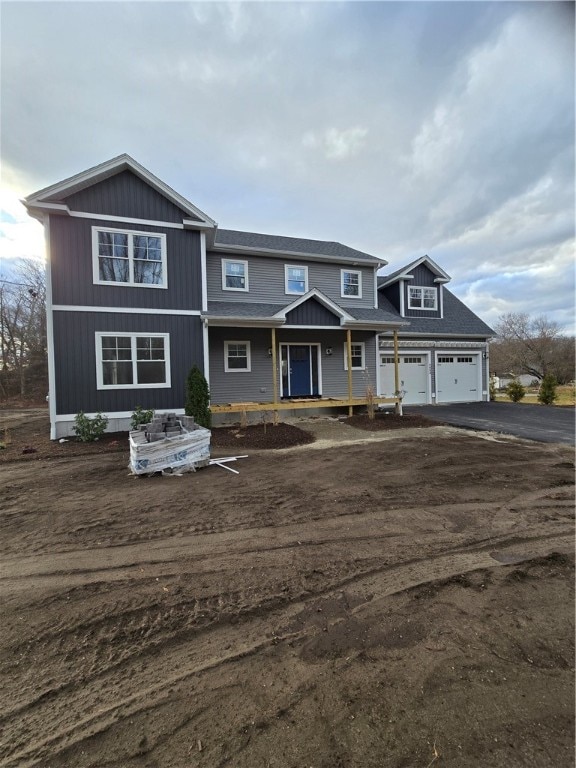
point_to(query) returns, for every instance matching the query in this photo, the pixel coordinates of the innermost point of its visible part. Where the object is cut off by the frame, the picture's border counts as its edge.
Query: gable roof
(404, 272)
(49, 197)
(234, 241)
(315, 293)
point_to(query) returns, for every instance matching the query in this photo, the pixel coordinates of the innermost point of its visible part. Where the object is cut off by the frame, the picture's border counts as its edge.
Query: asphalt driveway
(545, 423)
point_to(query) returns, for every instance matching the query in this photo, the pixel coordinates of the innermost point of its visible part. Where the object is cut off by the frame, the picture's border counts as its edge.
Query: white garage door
(457, 378)
(413, 371)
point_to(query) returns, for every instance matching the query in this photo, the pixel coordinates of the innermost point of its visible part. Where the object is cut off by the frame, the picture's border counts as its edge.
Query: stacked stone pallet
(169, 443)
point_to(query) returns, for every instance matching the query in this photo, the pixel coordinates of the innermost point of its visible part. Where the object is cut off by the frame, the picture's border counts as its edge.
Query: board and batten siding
(266, 280)
(75, 360)
(257, 384)
(72, 274)
(311, 312)
(125, 194)
(423, 277)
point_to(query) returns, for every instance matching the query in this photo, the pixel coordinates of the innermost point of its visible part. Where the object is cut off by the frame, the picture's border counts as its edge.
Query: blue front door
(300, 370)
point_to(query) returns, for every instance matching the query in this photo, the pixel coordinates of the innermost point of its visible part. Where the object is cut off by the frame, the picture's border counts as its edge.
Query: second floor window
(234, 275)
(129, 258)
(296, 279)
(351, 284)
(422, 298)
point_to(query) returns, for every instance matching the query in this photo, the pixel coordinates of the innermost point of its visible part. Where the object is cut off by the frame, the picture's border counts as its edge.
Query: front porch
(285, 398)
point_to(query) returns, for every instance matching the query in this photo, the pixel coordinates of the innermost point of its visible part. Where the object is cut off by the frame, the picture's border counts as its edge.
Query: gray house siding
(266, 280)
(126, 195)
(311, 312)
(75, 360)
(256, 385)
(423, 277)
(72, 276)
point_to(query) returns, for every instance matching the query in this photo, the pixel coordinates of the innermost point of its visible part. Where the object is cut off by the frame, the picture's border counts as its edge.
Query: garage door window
(445, 359)
(464, 359)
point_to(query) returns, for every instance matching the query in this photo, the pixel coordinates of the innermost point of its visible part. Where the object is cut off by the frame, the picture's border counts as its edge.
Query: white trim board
(50, 335)
(126, 310)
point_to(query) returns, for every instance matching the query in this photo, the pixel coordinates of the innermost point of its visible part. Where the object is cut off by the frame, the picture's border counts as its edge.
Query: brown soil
(389, 420)
(403, 602)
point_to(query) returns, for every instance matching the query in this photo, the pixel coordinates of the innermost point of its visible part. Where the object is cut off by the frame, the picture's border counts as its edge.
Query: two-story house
(141, 285)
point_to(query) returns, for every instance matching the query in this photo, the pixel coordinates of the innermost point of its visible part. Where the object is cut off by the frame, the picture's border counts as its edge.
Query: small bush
(140, 416)
(547, 392)
(515, 391)
(87, 430)
(198, 398)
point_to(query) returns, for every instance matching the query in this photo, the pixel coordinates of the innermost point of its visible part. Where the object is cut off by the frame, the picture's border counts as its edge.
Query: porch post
(274, 374)
(349, 358)
(398, 406)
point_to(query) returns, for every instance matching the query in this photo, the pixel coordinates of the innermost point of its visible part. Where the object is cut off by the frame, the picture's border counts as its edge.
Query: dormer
(416, 290)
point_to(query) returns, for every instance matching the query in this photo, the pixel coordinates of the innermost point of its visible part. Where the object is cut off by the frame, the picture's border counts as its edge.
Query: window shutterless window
(358, 356)
(350, 283)
(132, 360)
(237, 356)
(234, 275)
(422, 298)
(129, 258)
(296, 279)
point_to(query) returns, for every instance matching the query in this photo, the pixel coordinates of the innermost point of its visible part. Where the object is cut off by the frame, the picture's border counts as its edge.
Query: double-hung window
(296, 279)
(358, 356)
(132, 360)
(237, 356)
(234, 275)
(129, 258)
(422, 298)
(350, 283)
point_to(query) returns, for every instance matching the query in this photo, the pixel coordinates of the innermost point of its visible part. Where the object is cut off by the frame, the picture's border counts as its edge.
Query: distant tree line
(533, 346)
(23, 352)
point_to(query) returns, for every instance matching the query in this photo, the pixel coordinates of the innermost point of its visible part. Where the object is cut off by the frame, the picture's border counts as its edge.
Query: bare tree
(23, 358)
(532, 345)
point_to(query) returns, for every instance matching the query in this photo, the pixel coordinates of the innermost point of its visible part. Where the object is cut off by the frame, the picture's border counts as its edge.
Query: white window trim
(130, 283)
(422, 288)
(248, 368)
(355, 344)
(295, 266)
(133, 336)
(235, 261)
(350, 272)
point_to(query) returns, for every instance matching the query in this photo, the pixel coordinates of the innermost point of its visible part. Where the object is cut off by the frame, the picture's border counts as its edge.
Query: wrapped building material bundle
(169, 443)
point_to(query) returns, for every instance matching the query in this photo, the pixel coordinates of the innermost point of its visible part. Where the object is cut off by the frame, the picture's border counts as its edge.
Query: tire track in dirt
(50, 714)
(113, 561)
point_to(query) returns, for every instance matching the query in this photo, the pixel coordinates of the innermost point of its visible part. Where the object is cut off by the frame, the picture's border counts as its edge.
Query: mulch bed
(39, 447)
(260, 436)
(387, 420)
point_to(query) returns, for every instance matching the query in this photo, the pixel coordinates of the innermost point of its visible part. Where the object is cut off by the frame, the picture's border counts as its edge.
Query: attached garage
(414, 377)
(458, 377)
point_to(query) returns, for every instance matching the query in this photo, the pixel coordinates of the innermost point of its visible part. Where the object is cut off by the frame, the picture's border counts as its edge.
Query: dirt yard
(389, 600)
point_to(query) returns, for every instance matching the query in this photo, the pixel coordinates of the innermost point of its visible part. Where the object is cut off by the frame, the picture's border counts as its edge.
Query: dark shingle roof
(324, 248)
(242, 309)
(458, 319)
(369, 315)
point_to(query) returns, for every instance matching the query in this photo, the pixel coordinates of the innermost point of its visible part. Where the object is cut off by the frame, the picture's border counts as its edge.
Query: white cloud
(337, 144)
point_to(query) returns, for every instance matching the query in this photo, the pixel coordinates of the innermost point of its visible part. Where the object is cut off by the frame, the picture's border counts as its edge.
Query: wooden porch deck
(288, 405)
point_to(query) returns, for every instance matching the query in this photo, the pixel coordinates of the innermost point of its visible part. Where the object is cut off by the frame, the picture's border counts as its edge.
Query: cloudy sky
(401, 129)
